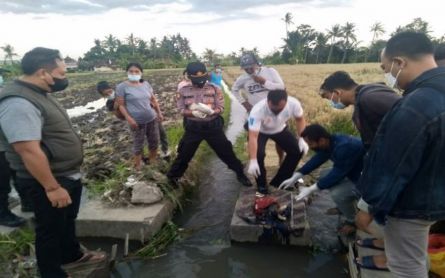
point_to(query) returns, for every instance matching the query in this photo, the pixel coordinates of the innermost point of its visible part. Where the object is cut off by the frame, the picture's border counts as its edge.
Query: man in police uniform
(201, 105)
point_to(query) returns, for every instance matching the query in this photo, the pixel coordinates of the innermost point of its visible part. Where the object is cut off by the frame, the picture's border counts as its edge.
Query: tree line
(302, 45)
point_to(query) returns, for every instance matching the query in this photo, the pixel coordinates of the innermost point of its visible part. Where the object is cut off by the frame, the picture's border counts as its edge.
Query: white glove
(306, 191)
(304, 147)
(205, 109)
(199, 114)
(290, 181)
(254, 168)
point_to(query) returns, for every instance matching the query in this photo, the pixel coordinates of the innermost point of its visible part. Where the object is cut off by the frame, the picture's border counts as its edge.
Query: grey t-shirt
(137, 101)
(20, 121)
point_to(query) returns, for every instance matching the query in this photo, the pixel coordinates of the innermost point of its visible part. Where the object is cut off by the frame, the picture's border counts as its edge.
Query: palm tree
(209, 55)
(9, 53)
(288, 21)
(348, 33)
(333, 34)
(132, 43)
(320, 42)
(377, 30)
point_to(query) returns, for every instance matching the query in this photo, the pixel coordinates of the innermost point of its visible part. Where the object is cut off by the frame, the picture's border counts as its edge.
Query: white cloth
(262, 119)
(255, 92)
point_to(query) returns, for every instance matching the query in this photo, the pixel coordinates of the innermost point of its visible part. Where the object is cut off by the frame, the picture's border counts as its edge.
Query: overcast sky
(224, 26)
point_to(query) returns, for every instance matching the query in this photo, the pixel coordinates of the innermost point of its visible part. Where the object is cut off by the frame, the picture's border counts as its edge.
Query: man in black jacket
(403, 179)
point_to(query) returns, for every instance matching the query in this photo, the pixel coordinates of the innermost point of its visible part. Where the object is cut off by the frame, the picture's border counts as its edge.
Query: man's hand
(160, 118)
(306, 191)
(303, 146)
(259, 79)
(290, 181)
(247, 105)
(132, 123)
(254, 168)
(198, 114)
(59, 197)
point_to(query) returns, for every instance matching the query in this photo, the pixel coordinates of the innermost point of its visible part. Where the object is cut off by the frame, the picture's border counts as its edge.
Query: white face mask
(112, 96)
(134, 77)
(391, 81)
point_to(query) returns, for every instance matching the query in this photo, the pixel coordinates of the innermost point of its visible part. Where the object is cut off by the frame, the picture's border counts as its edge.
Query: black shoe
(244, 180)
(9, 219)
(263, 190)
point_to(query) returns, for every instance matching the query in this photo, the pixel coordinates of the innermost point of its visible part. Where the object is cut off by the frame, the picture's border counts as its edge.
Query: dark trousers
(56, 241)
(212, 132)
(5, 186)
(163, 137)
(287, 141)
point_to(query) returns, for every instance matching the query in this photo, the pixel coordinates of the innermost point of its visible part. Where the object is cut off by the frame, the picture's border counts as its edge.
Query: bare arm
(253, 144)
(301, 125)
(155, 104)
(36, 163)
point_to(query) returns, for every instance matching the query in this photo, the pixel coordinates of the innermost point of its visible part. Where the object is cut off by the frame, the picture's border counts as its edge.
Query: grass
(160, 241)
(17, 244)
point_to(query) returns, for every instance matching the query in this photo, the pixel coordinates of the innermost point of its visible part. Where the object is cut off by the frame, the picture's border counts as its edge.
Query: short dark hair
(102, 86)
(315, 132)
(136, 65)
(338, 80)
(40, 58)
(275, 96)
(409, 44)
(439, 52)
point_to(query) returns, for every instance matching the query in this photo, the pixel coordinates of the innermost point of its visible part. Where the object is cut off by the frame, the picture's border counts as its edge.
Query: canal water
(208, 251)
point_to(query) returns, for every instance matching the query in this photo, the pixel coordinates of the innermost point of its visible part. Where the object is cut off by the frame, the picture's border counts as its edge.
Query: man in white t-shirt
(267, 120)
(254, 85)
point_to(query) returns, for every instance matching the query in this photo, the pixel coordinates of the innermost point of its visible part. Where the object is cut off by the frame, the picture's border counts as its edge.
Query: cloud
(229, 8)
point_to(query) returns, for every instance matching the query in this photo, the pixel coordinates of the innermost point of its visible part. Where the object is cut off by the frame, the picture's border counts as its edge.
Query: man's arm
(394, 159)
(253, 144)
(155, 104)
(300, 124)
(274, 82)
(316, 161)
(219, 100)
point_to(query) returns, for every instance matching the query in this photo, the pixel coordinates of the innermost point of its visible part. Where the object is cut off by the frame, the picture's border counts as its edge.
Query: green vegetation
(160, 241)
(17, 244)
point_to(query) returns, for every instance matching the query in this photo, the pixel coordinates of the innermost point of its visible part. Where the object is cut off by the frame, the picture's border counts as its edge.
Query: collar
(31, 86)
(424, 77)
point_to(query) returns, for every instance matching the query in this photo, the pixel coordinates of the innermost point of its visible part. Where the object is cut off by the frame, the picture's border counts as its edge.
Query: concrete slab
(96, 219)
(242, 231)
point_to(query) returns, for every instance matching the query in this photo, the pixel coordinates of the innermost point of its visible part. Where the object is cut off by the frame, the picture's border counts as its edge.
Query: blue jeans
(56, 241)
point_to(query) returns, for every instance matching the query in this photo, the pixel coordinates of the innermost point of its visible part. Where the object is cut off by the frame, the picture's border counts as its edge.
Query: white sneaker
(165, 154)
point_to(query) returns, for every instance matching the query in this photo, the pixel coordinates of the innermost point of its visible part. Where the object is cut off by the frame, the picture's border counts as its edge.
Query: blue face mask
(1, 80)
(336, 105)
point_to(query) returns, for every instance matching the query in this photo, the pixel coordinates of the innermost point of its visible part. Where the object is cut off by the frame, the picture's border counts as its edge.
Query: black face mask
(59, 84)
(199, 81)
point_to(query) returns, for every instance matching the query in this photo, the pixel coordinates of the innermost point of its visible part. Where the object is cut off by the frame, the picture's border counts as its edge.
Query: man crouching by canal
(267, 120)
(45, 151)
(202, 104)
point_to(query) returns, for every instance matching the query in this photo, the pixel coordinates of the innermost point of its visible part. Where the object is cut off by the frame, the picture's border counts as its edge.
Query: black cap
(102, 85)
(248, 60)
(196, 68)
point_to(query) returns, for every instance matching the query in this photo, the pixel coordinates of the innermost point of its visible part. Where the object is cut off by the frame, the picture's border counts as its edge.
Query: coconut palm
(333, 34)
(348, 34)
(209, 55)
(288, 21)
(9, 53)
(377, 30)
(320, 43)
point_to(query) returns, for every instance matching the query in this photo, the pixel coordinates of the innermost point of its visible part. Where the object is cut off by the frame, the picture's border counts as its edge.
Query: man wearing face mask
(346, 153)
(267, 120)
(201, 104)
(371, 102)
(257, 82)
(46, 153)
(403, 177)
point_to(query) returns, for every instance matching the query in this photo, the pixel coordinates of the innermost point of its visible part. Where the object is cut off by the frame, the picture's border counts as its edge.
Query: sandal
(368, 243)
(367, 262)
